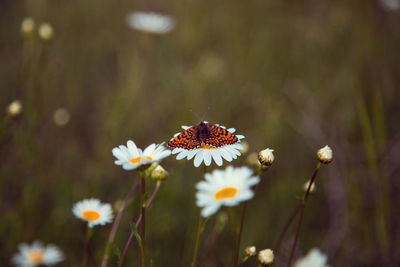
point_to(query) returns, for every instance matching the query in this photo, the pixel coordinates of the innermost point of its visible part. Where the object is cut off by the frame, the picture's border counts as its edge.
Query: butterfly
(203, 135)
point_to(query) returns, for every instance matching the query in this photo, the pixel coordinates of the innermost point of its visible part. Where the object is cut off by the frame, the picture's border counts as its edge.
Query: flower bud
(266, 157)
(27, 26)
(46, 31)
(250, 251)
(14, 108)
(325, 155)
(159, 173)
(266, 257)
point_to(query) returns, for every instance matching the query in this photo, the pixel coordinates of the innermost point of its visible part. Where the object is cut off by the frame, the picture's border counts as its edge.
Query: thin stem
(138, 221)
(86, 246)
(200, 229)
(237, 247)
(239, 235)
(303, 205)
(286, 227)
(115, 226)
(143, 215)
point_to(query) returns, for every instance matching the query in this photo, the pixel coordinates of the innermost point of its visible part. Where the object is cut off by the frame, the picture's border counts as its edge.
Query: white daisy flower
(131, 157)
(226, 187)
(92, 211)
(314, 258)
(151, 22)
(208, 153)
(37, 254)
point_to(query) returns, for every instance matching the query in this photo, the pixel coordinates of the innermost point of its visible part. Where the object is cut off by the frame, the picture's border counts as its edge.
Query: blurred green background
(289, 75)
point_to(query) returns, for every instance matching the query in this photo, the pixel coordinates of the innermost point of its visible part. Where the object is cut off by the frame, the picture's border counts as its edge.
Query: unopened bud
(159, 173)
(250, 251)
(266, 157)
(14, 108)
(266, 257)
(46, 31)
(325, 154)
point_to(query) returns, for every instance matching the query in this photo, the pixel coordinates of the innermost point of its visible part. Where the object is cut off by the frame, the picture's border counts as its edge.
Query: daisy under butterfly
(206, 141)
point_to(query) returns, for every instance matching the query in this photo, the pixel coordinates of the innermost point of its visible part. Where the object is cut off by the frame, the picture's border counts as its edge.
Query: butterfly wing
(219, 136)
(186, 139)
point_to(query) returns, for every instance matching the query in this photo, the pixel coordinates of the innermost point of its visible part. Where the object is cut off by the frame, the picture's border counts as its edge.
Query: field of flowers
(200, 133)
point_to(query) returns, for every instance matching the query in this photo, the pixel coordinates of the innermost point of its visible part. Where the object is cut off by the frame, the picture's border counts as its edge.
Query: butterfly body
(203, 135)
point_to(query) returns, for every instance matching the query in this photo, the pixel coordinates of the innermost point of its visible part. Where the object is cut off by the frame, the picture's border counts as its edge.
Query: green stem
(200, 229)
(86, 246)
(239, 236)
(143, 215)
(115, 226)
(303, 205)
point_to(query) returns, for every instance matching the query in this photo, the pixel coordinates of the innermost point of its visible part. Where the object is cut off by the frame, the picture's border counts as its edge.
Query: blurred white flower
(250, 251)
(314, 258)
(27, 26)
(306, 185)
(205, 152)
(93, 212)
(46, 31)
(37, 254)
(131, 157)
(151, 22)
(226, 187)
(325, 154)
(390, 5)
(61, 116)
(266, 256)
(14, 108)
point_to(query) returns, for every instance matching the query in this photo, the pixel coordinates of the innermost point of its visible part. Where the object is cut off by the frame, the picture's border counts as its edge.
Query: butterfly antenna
(197, 115)
(205, 113)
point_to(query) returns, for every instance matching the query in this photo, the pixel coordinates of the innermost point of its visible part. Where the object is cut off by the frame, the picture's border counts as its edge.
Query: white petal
(182, 155)
(199, 158)
(192, 153)
(207, 157)
(176, 150)
(150, 149)
(210, 210)
(217, 157)
(225, 154)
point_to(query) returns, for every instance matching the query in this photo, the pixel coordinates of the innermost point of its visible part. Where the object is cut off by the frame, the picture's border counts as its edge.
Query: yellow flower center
(227, 192)
(90, 215)
(36, 256)
(136, 160)
(207, 146)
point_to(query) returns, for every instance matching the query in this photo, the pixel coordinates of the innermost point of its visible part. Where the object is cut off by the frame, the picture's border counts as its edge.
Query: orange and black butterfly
(203, 135)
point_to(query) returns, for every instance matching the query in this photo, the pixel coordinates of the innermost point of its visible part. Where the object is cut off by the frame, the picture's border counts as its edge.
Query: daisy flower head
(37, 254)
(131, 157)
(206, 142)
(93, 212)
(314, 258)
(151, 22)
(226, 187)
